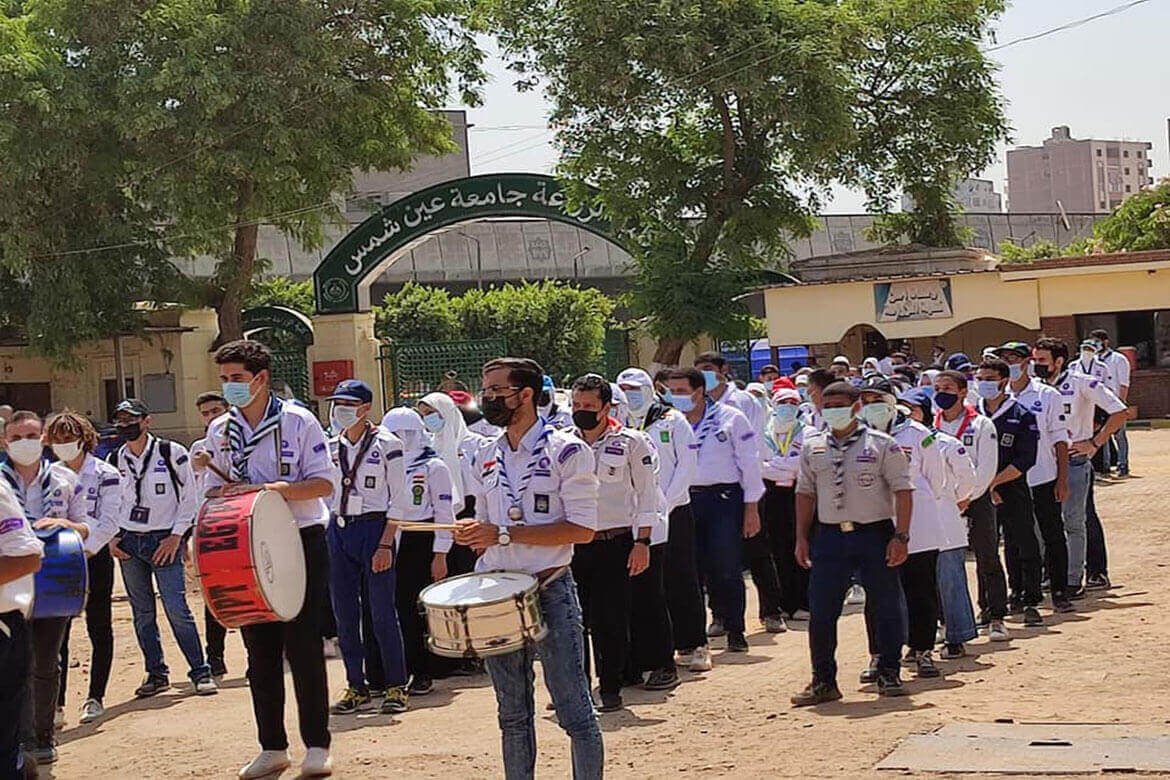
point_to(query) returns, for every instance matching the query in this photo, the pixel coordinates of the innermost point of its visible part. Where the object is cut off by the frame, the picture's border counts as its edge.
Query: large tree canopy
(713, 129)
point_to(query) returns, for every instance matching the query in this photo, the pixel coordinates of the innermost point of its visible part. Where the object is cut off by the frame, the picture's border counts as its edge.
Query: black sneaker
(952, 651)
(1097, 582)
(661, 680)
(1060, 603)
(816, 693)
(870, 673)
(890, 684)
(44, 753)
(395, 701)
(1032, 617)
(1077, 594)
(610, 702)
(1015, 606)
(218, 667)
(351, 701)
(420, 686)
(736, 642)
(152, 686)
(924, 664)
(983, 623)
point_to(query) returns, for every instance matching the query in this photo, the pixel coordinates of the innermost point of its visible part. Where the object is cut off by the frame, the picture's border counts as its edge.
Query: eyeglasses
(492, 391)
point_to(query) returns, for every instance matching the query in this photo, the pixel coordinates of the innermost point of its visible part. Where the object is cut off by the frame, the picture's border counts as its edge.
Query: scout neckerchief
(14, 480)
(348, 474)
(839, 448)
(780, 446)
(969, 414)
(418, 483)
(243, 445)
(706, 424)
(516, 496)
(147, 457)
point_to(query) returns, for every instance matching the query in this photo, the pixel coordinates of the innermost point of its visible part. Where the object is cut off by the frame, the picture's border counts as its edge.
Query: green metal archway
(366, 250)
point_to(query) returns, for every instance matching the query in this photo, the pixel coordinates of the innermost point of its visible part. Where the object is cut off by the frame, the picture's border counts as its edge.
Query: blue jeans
(954, 596)
(136, 574)
(718, 512)
(836, 555)
(1122, 449)
(1079, 473)
(562, 660)
(351, 579)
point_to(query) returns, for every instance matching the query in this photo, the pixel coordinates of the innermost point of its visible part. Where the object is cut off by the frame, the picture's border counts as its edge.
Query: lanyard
(347, 473)
(781, 446)
(707, 424)
(968, 415)
(515, 496)
(18, 487)
(147, 457)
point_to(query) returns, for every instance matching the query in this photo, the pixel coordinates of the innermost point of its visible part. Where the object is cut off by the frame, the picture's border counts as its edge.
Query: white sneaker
(269, 762)
(331, 649)
(317, 763)
(701, 659)
(206, 687)
(997, 633)
(774, 624)
(856, 595)
(800, 614)
(91, 711)
(940, 636)
(59, 718)
(684, 659)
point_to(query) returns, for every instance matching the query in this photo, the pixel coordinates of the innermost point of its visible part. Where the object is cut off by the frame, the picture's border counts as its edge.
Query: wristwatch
(505, 538)
(904, 538)
(643, 540)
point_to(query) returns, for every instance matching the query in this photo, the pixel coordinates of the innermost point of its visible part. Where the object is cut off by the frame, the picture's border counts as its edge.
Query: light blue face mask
(636, 399)
(711, 379)
(784, 415)
(343, 417)
(987, 389)
(684, 403)
(1015, 371)
(838, 417)
(877, 415)
(238, 394)
(434, 422)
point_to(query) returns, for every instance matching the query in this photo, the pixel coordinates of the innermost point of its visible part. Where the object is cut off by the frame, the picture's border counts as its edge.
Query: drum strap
(348, 474)
(552, 576)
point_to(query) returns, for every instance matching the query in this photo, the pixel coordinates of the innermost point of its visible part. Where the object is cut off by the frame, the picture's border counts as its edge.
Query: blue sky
(1107, 79)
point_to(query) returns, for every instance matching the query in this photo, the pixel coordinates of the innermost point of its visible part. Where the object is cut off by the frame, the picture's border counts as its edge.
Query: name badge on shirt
(353, 505)
(285, 470)
(371, 482)
(664, 436)
(1007, 440)
(140, 514)
(160, 489)
(968, 439)
(540, 503)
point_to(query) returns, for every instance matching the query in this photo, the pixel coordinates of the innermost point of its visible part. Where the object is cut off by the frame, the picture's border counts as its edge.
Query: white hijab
(447, 441)
(407, 425)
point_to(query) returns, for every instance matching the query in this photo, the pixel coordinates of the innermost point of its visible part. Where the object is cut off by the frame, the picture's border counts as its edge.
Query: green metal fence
(410, 371)
(617, 352)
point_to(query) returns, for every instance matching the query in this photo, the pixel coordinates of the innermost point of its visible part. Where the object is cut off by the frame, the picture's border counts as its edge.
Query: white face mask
(25, 452)
(1087, 355)
(67, 451)
(343, 417)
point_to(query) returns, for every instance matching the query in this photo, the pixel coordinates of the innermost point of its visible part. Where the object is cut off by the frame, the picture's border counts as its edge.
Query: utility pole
(582, 253)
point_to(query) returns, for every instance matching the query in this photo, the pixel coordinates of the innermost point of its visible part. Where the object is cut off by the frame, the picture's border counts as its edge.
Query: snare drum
(62, 585)
(482, 614)
(249, 559)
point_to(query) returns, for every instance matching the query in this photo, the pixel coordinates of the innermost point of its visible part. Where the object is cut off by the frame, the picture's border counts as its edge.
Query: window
(1098, 152)
(1139, 154)
(1125, 153)
(1101, 204)
(1148, 332)
(1127, 171)
(1128, 188)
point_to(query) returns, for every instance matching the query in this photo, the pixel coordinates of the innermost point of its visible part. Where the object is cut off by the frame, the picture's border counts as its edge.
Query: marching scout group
(637, 504)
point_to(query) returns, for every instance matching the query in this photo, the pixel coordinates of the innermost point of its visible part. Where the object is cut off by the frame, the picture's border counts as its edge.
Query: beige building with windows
(1082, 175)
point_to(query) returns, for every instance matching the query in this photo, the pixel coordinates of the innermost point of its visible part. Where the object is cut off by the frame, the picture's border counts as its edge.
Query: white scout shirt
(672, 438)
(56, 492)
(1046, 405)
(627, 476)
(484, 428)
(728, 451)
(559, 417)
(469, 449)
(429, 493)
(101, 487)
(746, 403)
(379, 479)
(304, 455)
(149, 502)
(550, 474)
(1119, 370)
(959, 486)
(928, 474)
(1095, 368)
(1080, 394)
(811, 417)
(781, 454)
(977, 434)
(16, 541)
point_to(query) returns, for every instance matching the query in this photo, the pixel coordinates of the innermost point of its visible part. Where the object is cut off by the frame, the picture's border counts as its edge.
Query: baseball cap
(1020, 348)
(352, 390)
(878, 384)
(917, 396)
(460, 397)
(548, 384)
(133, 407)
(1092, 344)
(958, 361)
(842, 360)
(634, 377)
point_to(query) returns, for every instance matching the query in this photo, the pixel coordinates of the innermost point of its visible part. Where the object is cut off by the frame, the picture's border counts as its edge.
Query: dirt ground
(1105, 663)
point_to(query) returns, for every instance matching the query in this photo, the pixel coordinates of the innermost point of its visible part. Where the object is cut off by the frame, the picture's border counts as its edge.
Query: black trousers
(761, 553)
(268, 644)
(40, 706)
(919, 584)
(983, 539)
(779, 520)
(684, 599)
(414, 574)
(1051, 522)
(15, 661)
(1021, 545)
(216, 634)
(601, 570)
(99, 627)
(1096, 558)
(651, 637)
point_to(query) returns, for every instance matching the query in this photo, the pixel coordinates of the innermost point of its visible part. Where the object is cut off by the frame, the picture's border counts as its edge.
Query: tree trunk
(667, 352)
(239, 277)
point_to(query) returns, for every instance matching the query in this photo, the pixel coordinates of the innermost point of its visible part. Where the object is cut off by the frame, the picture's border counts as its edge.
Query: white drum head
(278, 555)
(479, 588)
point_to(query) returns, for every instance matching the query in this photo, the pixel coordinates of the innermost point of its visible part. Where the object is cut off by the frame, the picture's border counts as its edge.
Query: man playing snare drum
(537, 498)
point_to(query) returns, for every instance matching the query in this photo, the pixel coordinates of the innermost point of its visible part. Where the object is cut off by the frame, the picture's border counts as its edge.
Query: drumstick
(407, 525)
(219, 472)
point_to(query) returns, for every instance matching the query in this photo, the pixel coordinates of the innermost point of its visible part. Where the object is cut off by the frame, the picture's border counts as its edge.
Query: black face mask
(1041, 371)
(586, 419)
(128, 433)
(545, 399)
(497, 412)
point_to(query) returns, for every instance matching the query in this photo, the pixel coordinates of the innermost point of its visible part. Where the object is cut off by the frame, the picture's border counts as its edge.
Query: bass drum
(61, 587)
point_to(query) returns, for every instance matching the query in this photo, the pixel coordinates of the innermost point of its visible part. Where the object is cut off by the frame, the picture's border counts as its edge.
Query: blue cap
(548, 384)
(958, 362)
(917, 396)
(352, 390)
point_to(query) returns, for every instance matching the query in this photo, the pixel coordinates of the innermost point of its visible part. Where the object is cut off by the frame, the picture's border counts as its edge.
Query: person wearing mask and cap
(1048, 479)
(1082, 396)
(620, 410)
(977, 435)
(557, 416)
(919, 573)
(666, 612)
(961, 363)
(768, 374)
(1018, 436)
(870, 367)
(51, 498)
(371, 497)
(1118, 381)
(1088, 364)
(857, 482)
(951, 572)
(725, 495)
(472, 416)
(627, 506)
(422, 555)
(783, 439)
(713, 367)
(159, 504)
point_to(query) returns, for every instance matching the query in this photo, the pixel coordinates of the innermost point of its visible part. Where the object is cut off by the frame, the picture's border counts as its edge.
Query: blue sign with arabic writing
(920, 299)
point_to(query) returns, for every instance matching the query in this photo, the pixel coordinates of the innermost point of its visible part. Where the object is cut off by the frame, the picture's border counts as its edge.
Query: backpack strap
(164, 449)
